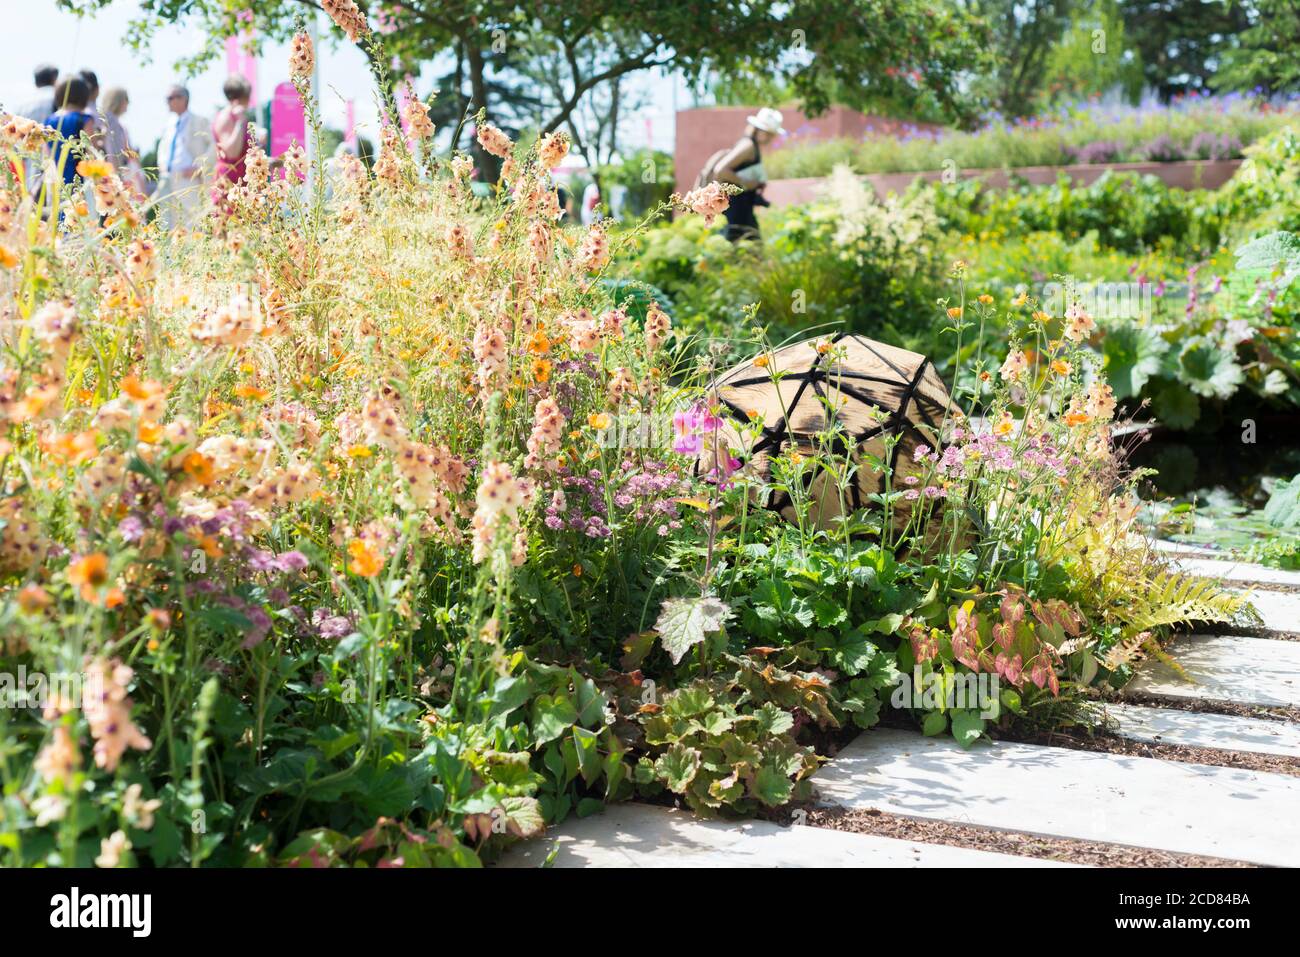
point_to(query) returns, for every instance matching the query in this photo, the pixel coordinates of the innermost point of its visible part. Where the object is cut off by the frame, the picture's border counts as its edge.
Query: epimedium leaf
(967, 726)
(684, 622)
(936, 722)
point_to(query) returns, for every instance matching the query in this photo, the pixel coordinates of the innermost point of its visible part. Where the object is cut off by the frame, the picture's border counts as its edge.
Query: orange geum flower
(762, 361)
(1060, 367)
(73, 448)
(211, 547)
(91, 168)
(33, 599)
(364, 561)
(538, 343)
(986, 299)
(90, 572)
(8, 258)
(954, 312)
(248, 391)
(359, 452)
(541, 369)
(199, 467)
(1077, 418)
(140, 391)
(599, 420)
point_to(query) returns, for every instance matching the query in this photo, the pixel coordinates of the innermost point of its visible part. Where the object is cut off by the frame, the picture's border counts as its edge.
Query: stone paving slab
(1141, 802)
(1187, 548)
(1242, 573)
(1201, 730)
(1258, 671)
(641, 835)
(1280, 610)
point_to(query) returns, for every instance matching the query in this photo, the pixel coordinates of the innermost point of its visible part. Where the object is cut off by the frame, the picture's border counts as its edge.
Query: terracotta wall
(1195, 174)
(703, 131)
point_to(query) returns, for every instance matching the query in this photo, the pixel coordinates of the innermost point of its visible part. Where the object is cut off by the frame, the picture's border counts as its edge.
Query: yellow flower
(1061, 367)
(541, 369)
(359, 452)
(762, 361)
(246, 391)
(599, 420)
(986, 299)
(954, 312)
(1004, 424)
(1040, 316)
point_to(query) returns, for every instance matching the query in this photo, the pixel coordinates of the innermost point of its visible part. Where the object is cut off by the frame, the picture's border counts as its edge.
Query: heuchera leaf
(684, 622)
(677, 767)
(771, 786)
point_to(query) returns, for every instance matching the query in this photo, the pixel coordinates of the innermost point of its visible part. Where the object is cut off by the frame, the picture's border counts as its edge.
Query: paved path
(639, 835)
(1201, 730)
(1059, 792)
(1252, 671)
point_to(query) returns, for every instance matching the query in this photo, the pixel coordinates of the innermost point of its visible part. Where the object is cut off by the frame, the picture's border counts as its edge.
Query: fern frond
(1152, 647)
(1175, 598)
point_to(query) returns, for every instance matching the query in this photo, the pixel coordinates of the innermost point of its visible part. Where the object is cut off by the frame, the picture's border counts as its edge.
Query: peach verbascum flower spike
(348, 16)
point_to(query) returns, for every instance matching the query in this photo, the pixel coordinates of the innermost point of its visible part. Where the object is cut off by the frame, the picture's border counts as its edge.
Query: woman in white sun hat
(743, 166)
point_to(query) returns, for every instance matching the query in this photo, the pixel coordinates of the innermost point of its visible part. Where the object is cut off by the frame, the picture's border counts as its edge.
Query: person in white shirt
(40, 108)
(184, 158)
(43, 105)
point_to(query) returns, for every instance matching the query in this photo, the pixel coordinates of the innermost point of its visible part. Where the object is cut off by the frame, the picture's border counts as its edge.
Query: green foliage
(1282, 510)
(1093, 57)
(720, 750)
(647, 175)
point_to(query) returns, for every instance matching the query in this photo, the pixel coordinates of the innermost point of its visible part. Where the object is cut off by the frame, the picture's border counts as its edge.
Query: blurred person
(117, 143)
(70, 120)
(230, 134)
(183, 158)
(590, 212)
(742, 165)
(37, 109)
(91, 80)
(42, 105)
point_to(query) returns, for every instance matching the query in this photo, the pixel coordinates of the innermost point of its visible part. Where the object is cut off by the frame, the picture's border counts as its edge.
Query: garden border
(1188, 174)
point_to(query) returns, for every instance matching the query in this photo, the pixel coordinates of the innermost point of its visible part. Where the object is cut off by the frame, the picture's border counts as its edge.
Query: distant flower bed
(1191, 128)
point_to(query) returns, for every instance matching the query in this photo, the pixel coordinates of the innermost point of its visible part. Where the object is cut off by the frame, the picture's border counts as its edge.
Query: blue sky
(45, 33)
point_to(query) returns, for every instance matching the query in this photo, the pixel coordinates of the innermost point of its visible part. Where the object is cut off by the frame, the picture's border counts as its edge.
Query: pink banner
(288, 119)
(241, 62)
